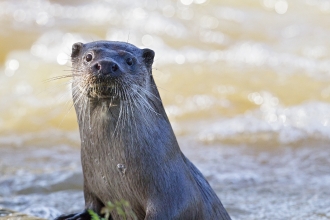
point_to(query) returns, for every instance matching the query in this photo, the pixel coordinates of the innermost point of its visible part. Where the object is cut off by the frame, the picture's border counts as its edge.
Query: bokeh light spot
(281, 7)
(42, 18)
(62, 58)
(147, 40)
(11, 66)
(186, 2)
(19, 15)
(180, 59)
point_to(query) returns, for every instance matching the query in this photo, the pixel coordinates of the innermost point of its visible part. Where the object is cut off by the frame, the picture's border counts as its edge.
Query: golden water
(245, 84)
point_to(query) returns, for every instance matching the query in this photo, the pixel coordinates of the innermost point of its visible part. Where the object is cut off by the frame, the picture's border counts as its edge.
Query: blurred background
(245, 85)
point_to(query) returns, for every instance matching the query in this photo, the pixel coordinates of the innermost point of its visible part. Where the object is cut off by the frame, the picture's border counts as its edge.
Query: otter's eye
(89, 57)
(129, 61)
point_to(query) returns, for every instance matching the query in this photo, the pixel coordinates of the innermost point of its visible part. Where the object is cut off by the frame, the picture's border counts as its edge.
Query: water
(245, 84)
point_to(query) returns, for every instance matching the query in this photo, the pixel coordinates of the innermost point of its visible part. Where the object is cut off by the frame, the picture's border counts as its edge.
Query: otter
(128, 148)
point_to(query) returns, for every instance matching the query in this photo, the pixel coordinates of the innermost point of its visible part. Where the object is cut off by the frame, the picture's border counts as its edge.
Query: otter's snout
(106, 67)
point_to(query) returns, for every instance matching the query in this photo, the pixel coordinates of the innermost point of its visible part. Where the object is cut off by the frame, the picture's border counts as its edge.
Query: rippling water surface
(245, 84)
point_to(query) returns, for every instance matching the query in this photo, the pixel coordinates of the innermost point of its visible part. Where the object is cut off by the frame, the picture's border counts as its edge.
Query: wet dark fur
(128, 148)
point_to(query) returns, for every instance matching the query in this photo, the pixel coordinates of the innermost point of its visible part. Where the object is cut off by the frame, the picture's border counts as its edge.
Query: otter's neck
(125, 129)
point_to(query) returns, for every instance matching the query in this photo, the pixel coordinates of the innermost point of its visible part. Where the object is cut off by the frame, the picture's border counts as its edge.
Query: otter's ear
(148, 56)
(76, 49)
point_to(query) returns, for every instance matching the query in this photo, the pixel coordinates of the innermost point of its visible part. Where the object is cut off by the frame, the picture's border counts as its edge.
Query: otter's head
(110, 70)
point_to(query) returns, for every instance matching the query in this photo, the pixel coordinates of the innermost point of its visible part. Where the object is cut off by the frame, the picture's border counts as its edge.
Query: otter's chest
(108, 172)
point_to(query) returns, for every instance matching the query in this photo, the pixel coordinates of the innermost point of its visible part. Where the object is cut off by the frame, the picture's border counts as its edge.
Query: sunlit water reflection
(245, 84)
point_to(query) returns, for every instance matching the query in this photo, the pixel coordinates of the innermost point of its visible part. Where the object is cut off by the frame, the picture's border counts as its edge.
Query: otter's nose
(106, 67)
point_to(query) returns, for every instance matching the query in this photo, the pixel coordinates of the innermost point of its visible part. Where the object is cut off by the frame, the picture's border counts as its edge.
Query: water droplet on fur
(121, 168)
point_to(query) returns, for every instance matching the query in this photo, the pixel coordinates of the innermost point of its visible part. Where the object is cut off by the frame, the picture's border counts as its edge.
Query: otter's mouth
(100, 91)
